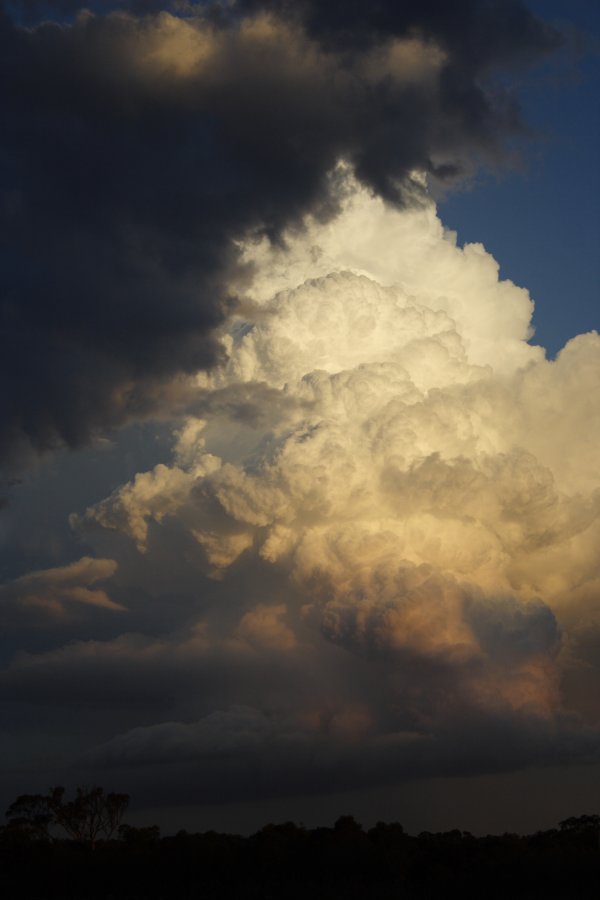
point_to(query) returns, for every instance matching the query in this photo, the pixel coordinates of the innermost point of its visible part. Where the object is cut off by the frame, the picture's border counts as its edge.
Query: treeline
(291, 861)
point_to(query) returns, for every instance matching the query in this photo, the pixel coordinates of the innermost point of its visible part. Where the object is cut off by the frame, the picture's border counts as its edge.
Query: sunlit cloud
(402, 518)
(56, 593)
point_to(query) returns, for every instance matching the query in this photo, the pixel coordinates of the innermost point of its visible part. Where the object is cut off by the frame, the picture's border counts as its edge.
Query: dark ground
(289, 861)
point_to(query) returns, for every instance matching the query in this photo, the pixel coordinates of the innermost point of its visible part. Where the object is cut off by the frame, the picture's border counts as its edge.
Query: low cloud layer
(142, 142)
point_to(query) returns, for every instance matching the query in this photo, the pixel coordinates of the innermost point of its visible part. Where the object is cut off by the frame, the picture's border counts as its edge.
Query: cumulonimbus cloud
(375, 548)
(404, 518)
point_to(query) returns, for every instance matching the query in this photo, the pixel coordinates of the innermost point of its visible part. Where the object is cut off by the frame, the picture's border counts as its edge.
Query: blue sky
(542, 223)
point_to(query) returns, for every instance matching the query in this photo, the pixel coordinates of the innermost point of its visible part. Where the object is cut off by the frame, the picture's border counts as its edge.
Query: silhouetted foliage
(292, 861)
(150, 834)
(579, 824)
(91, 814)
(31, 815)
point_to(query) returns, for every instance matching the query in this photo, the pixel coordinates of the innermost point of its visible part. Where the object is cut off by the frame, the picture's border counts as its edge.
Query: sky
(300, 488)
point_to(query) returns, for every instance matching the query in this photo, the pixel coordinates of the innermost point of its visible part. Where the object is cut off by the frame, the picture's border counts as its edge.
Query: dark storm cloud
(138, 146)
(486, 31)
(242, 754)
(331, 719)
(34, 11)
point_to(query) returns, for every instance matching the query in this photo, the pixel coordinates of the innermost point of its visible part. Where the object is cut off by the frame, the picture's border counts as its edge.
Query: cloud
(242, 754)
(55, 593)
(142, 143)
(238, 730)
(403, 448)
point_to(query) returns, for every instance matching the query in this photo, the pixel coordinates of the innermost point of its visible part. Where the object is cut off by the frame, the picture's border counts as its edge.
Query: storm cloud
(368, 553)
(141, 144)
(371, 557)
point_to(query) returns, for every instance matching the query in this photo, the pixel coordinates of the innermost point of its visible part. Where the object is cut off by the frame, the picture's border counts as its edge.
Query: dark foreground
(287, 861)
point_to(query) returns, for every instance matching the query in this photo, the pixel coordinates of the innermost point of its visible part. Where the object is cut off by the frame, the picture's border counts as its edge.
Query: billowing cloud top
(141, 141)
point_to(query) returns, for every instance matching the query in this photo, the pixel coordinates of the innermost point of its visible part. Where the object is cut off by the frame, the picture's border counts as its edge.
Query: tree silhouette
(578, 824)
(31, 815)
(90, 815)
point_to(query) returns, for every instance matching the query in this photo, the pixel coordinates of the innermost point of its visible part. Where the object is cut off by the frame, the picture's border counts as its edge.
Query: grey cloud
(34, 11)
(511, 631)
(239, 730)
(391, 714)
(195, 716)
(242, 754)
(188, 672)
